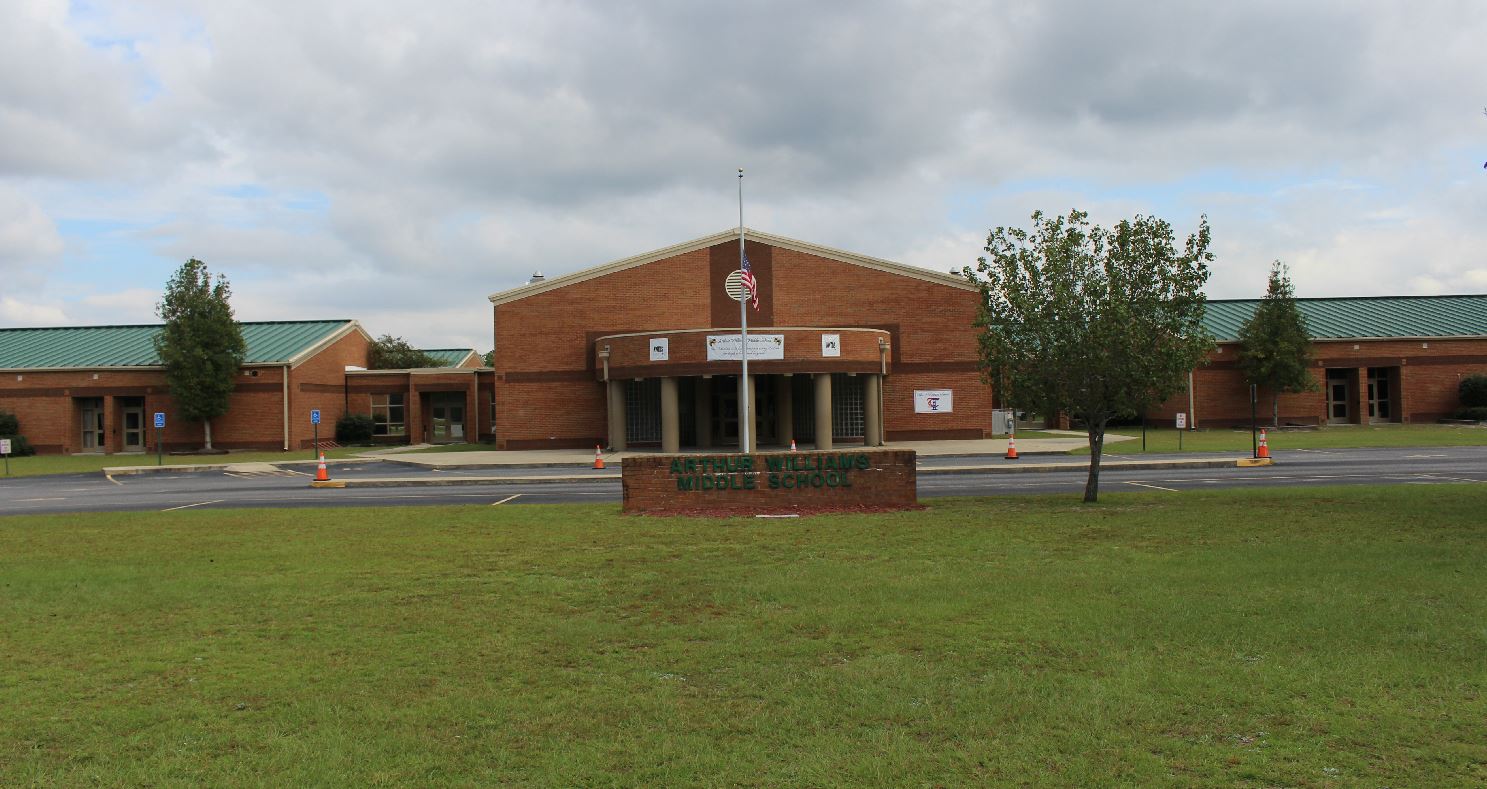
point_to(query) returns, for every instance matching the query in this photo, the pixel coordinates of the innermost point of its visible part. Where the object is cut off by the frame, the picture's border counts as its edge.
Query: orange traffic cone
(598, 457)
(1264, 450)
(792, 446)
(1011, 447)
(320, 475)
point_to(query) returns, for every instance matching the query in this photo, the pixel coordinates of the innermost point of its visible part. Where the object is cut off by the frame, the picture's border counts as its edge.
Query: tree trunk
(207, 424)
(1096, 445)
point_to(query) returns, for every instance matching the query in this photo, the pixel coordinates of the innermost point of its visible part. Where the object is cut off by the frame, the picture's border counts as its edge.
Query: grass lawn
(1318, 637)
(79, 464)
(1337, 437)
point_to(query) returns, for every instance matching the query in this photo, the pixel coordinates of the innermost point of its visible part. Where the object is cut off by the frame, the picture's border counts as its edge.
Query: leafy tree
(201, 345)
(489, 358)
(1095, 323)
(394, 353)
(1274, 346)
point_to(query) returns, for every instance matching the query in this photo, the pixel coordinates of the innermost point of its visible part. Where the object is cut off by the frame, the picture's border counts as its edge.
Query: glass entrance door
(725, 410)
(447, 412)
(134, 429)
(92, 424)
(1339, 393)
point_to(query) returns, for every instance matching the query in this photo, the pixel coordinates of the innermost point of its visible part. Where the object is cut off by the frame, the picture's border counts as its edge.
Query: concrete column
(704, 411)
(111, 441)
(617, 416)
(671, 428)
(872, 397)
(784, 411)
(1360, 396)
(823, 410)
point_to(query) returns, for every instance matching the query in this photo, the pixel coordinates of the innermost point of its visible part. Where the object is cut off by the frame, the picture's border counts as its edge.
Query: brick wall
(770, 483)
(1425, 375)
(545, 388)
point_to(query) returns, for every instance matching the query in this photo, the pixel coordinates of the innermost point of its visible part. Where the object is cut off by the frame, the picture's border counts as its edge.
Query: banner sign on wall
(725, 347)
(660, 349)
(933, 401)
(831, 345)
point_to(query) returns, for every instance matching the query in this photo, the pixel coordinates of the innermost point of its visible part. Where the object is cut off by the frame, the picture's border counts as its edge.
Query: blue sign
(159, 419)
(315, 417)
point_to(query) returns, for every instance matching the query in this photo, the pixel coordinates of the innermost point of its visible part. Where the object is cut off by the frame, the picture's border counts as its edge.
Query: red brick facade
(548, 383)
(1417, 380)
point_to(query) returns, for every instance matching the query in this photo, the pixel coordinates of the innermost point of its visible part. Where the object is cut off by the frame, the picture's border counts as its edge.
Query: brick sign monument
(771, 483)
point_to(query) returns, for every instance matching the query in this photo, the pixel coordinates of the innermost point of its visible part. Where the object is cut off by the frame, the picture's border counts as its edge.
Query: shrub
(20, 447)
(10, 428)
(1477, 413)
(1473, 391)
(354, 429)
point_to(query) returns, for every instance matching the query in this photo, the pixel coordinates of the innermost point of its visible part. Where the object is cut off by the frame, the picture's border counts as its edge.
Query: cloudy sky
(398, 162)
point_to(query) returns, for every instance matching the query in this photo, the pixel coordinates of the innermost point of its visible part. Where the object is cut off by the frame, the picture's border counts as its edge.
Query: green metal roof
(269, 342)
(1363, 317)
(450, 357)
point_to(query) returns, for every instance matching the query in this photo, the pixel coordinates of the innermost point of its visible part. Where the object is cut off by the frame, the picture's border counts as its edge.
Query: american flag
(749, 281)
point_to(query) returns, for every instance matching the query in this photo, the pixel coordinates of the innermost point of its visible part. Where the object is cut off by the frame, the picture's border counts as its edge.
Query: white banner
(660, 349)
(724, 347)
(933, 401)
(831, 345)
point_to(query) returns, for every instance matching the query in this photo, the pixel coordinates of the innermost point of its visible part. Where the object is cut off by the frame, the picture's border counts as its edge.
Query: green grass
(37, 465)
(1301, 638)
(1338, 437)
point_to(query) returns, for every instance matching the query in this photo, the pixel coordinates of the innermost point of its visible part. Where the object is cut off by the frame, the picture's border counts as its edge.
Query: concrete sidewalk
(584, 458)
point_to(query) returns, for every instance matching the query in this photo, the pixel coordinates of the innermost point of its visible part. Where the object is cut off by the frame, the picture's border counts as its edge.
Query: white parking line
(503, 501)
(197, 504)
(1153, 487)
(63, 498)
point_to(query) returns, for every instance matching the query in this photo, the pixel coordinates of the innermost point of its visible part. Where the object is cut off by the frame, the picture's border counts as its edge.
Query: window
(387, 415)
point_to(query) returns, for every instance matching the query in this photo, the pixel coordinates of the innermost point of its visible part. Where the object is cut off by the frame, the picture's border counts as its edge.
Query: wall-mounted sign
(933, 401)
(831, 345)
(725, 347)
(660, 349)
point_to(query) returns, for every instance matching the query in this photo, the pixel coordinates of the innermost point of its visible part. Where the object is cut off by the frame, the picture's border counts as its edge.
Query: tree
(1094, 323)
(201, 344)
(394, 353)
(1274, 346)
(489, 358)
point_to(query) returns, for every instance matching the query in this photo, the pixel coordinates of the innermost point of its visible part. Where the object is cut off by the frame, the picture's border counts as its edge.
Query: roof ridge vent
(536, 278)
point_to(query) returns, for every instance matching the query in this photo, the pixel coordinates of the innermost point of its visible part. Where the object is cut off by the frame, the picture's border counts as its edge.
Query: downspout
(286, 407)
(1192, 409)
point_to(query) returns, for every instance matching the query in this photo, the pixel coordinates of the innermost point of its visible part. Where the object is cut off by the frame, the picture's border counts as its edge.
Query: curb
(406, 482)
(194, 468)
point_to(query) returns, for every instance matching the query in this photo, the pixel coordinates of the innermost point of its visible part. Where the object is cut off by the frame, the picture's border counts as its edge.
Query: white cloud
(397, 163)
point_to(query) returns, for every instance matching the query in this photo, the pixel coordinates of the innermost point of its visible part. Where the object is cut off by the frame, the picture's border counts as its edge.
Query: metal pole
(315, 453)
(743, 334)
(1254, 444)
(159, 449)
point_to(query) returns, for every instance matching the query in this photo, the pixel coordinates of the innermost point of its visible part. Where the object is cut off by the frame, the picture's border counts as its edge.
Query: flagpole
(743, 335)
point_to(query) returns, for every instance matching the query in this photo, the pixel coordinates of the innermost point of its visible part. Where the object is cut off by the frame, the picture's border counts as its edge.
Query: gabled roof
(533, 288)
(92, 347)
(1367, 317)
(452, 357)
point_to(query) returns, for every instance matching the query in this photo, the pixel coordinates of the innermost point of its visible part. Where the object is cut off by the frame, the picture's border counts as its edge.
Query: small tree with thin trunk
(1094, 323)
(201, 344)
(1274, 345)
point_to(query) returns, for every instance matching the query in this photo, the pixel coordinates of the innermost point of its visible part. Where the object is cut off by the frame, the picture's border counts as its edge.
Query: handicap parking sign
(315, 417)
(159, 419)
